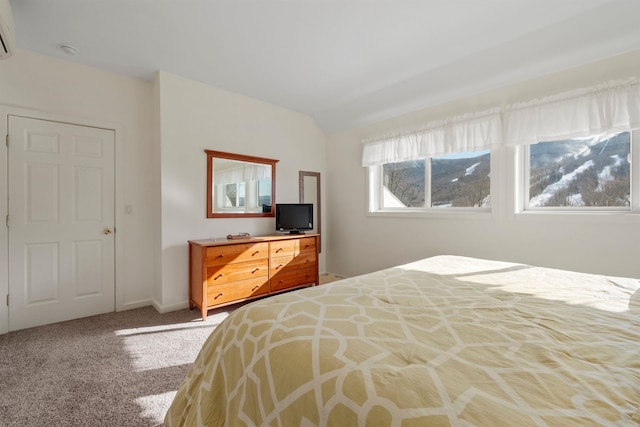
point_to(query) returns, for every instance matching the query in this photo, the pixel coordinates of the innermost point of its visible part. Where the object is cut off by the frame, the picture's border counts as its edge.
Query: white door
(61, 221)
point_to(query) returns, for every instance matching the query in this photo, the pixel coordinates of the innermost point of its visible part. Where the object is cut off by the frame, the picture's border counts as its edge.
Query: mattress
(443, 341)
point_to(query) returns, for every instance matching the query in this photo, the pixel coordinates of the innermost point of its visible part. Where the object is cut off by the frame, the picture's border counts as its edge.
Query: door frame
(5, 112)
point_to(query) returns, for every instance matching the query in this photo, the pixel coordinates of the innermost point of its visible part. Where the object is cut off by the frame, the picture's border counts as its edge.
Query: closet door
(61, 221)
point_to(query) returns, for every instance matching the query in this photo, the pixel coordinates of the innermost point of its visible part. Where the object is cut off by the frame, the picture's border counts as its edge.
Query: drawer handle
(257, 269)
(254, 288)
(221, 256)
(279, 266)
(218, 276)
(219, 295)
(255, 253)
(278, 250)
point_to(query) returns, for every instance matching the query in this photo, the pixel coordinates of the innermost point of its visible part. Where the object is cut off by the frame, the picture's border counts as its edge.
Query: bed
(442, 341)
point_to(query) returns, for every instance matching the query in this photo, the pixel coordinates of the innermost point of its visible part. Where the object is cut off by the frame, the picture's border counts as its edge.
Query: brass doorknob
(107, 230)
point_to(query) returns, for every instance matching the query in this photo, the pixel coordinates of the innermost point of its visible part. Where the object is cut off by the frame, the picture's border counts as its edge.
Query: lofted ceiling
(343, 62)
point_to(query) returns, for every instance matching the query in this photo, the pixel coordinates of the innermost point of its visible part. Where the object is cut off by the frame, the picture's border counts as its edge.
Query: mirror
(240, 186)
(309, 184)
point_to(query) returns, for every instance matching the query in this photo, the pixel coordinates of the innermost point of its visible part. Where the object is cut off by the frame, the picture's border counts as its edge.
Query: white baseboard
(168, 308)
(134, 304)
(153, 303)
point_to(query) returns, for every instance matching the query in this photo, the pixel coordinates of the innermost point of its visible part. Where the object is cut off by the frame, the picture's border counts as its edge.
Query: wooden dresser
(225, 271)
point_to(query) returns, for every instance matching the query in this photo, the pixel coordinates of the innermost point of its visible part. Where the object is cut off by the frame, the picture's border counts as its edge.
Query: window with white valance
(446, 165)
(597, 118)
(240, 187)
(577, 148)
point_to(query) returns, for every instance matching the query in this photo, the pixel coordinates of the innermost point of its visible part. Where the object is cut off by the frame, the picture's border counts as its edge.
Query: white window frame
(237, 207)
(251, 194)
(374, 199)
(522, 190)
(634, 185)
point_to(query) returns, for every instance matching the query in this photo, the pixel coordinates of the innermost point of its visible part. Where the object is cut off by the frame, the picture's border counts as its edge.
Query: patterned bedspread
(443, 341)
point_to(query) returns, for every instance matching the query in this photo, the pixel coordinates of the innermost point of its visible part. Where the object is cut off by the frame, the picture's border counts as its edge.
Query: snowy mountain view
(455, 182)
(592, 172)
(460, 182)
(587, 172)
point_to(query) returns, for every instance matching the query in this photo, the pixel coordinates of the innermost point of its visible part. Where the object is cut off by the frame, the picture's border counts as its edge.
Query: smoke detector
(68, 49)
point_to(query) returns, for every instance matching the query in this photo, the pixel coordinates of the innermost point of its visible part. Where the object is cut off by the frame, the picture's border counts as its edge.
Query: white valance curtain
(241, 174)
(471, 132)
(608, 108)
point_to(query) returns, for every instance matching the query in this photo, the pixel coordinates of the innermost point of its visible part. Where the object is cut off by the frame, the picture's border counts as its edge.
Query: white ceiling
(343, 62)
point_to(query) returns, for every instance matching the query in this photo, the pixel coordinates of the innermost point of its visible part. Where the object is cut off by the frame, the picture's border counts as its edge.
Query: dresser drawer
(227, 254)
(292, 246)
(237, 291)
(293, 278)
(288, 263)
(222, 274)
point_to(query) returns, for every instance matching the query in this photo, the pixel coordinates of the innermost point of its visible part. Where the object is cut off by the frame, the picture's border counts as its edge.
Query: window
(250, 195)
(577, 151)
(264, 192)
(581, 173)
(409, 173)
(404, 184)
(234, 195)
(460, 180)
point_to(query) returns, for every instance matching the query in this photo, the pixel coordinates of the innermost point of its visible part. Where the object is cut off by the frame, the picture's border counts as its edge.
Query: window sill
(457, 214)
(623, 217)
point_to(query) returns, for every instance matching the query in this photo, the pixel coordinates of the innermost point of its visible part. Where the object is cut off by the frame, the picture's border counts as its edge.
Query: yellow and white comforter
(443, 341)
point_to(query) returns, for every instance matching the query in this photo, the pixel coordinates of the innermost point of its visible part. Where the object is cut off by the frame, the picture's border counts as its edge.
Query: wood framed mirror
(309, 187)
(240, 186)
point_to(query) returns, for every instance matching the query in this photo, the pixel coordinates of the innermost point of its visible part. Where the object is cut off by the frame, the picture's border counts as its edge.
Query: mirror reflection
(239, 186)
(309, 188)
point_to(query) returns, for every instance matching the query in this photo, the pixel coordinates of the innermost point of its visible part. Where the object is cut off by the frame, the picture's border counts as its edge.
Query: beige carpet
(117, 369)
(328, 277)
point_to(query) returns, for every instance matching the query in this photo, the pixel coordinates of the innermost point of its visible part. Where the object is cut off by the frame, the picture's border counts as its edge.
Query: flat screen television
(294, 218)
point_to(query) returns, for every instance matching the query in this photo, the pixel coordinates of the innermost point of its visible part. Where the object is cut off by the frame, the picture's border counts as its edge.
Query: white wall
(359, 243)
(195, 117)
(41, 86)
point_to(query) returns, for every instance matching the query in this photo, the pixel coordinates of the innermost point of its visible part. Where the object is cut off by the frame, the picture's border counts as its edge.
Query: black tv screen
(294, 217)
